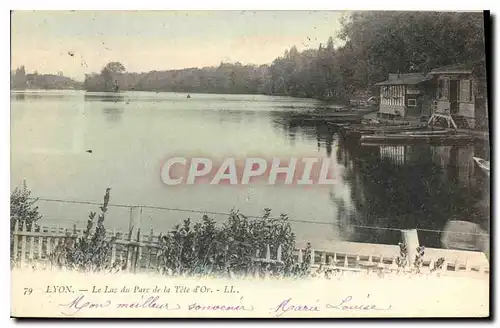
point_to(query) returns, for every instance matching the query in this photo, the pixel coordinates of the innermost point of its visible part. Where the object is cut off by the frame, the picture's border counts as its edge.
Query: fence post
(138, 254)
(134, 226)
(268, 258)
(113, 250)
(300, 257)
(445, 266)
(135, 219)
(394, 265)
(432, 263)
(128, 259)
(32, 243)
(40, 243)
(16, 242)
(150, 241)
(256, 266)
(410, 240)
(49, 246)
(23, 245)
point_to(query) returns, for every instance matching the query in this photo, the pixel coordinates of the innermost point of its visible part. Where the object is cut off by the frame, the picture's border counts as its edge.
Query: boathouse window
(412, 102)
(443, 89)
(465, 91)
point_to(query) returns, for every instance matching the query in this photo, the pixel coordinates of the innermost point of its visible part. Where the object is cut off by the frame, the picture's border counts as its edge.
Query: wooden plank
(23, 247)
(113, 252)
(445, 266)
(41, 234)
(31, 248)
(300, 257)
(137, 265)
(15, 250)
(49, 246)
(40, 244)
(150, 241)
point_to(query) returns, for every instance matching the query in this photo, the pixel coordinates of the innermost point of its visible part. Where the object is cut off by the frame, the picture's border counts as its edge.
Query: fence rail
(140, 253)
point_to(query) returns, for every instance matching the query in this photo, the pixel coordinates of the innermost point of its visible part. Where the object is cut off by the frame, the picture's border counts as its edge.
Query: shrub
(206, 249)
(90, 251)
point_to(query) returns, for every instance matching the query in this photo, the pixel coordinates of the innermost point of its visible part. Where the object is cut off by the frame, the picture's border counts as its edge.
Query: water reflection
(415, 187)
(113, 114)
(317, 129)
(104, 97)
(400, 186)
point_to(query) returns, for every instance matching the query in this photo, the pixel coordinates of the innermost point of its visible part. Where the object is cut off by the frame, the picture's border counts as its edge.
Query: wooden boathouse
(460, 95)
(406, 95)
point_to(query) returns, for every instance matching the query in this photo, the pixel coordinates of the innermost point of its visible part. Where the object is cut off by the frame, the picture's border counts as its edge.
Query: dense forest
(374, 44)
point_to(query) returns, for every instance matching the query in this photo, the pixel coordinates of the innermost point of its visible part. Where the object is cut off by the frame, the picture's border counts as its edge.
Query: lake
(377, 191)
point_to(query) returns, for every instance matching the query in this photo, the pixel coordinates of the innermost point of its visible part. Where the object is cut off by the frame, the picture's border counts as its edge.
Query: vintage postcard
(250, 164)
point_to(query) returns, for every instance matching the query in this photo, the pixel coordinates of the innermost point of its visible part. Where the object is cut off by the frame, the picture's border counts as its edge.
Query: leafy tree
(18, 78)
(23, 208)
(115, 67)
(386, 42)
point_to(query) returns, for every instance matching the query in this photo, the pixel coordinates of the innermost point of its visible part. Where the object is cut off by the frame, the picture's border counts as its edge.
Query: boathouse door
(454, 95)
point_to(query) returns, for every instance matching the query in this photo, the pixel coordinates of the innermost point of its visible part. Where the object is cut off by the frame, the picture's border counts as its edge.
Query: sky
(80, 42)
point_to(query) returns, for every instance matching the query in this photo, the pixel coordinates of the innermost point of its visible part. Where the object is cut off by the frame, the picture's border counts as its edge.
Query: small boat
(483, 164)
(416, 137)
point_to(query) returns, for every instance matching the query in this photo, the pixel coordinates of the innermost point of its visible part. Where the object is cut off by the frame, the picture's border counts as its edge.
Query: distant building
(461, 92)
(406, 95)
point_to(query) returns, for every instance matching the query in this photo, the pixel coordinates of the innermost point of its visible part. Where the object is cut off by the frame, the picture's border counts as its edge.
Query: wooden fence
(140, 253)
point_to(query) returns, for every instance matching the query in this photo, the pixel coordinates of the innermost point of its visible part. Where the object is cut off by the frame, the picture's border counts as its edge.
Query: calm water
(395, 187)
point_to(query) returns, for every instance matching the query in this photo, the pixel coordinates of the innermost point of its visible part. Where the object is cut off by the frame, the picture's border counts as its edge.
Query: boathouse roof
(461, 68)
(405, 79)
(452, 69)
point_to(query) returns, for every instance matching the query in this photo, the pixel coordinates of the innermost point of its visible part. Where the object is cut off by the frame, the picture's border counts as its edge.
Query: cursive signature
(287, 305)
(79, 304)
(347, 304)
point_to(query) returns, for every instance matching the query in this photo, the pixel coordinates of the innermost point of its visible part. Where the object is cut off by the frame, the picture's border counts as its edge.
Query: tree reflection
(398, 186)
(417, 194)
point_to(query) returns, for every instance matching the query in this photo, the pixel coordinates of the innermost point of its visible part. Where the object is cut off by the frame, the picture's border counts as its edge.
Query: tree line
(373, 44)
(20, 80)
